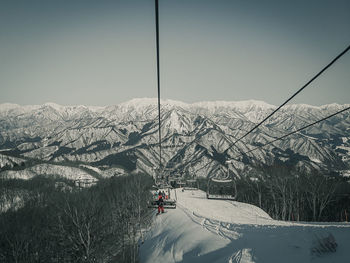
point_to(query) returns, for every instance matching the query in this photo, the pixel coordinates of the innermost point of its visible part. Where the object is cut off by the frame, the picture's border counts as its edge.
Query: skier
(160, 203)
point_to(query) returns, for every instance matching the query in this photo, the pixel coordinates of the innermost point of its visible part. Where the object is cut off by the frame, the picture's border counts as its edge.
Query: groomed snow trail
(215, 231)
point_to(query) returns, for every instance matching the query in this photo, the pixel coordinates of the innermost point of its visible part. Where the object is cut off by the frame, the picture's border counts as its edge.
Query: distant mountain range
(194, 136)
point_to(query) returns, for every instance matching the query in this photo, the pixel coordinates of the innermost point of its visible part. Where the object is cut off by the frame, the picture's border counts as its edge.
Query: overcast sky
(103, 52)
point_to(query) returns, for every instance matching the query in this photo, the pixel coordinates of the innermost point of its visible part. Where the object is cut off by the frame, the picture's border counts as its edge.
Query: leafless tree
(319, 191)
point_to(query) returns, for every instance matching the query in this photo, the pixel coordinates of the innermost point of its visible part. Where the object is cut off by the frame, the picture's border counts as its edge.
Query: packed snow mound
(217, 231)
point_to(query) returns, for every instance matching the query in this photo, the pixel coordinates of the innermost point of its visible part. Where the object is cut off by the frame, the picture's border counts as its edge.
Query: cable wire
(290, 98)
(284, 136)
(288, 134)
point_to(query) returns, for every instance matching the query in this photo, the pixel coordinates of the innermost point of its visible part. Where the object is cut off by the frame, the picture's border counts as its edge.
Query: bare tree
(319, 192)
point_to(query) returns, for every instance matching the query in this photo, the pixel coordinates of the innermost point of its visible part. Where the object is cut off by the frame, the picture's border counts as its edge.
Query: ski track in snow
(225, 230)
(185, 235)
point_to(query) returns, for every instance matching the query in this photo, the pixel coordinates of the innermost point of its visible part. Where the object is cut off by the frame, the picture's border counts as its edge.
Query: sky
(103, 52)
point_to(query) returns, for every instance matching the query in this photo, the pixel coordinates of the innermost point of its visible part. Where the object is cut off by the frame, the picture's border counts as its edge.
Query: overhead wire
(284, 103)
(291, 97)
(260, 123)
(288, 134)
(284, 136)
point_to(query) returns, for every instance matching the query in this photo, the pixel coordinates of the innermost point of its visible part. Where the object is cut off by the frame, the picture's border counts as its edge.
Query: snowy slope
(210, 231)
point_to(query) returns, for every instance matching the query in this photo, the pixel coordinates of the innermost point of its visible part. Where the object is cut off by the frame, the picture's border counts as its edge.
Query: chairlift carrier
(221, 196)
(169, 203)
(191, 184)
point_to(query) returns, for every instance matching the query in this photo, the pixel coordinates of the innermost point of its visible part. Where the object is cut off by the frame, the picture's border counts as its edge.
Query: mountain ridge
(145, 100)
(193, 135)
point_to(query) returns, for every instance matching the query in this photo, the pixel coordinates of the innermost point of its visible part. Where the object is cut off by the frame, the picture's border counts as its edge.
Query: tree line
(287, 194)
(102, 223)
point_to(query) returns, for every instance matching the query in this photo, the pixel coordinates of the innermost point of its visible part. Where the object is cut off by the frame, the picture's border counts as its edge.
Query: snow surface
(95, 169)
(315, 160)
(50, 170)
(346, 173)
(244, 104)
(138, 103)
(16, 201)
(213, 231)
(9, 160)
(344, 148)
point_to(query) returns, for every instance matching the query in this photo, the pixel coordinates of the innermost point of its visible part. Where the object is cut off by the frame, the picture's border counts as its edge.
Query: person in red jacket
(160, 202)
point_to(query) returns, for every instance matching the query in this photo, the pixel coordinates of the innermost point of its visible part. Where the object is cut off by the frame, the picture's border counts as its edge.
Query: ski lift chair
(221, 189)
(191, 184)
(169, 203)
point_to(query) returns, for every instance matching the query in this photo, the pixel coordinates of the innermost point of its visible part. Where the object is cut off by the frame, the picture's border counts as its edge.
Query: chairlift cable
(284, 103)
(260, 123)
(298, 130)
(290, 98)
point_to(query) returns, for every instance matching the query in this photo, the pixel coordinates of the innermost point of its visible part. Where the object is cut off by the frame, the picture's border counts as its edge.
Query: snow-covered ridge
(146, 102)
(71, 173)
(331, 106)
(145, 109)
(94, 134)
(6, 107)
(234, 104)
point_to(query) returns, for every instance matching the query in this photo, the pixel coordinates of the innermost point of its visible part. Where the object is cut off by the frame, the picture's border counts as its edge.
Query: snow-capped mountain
(195, 137)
